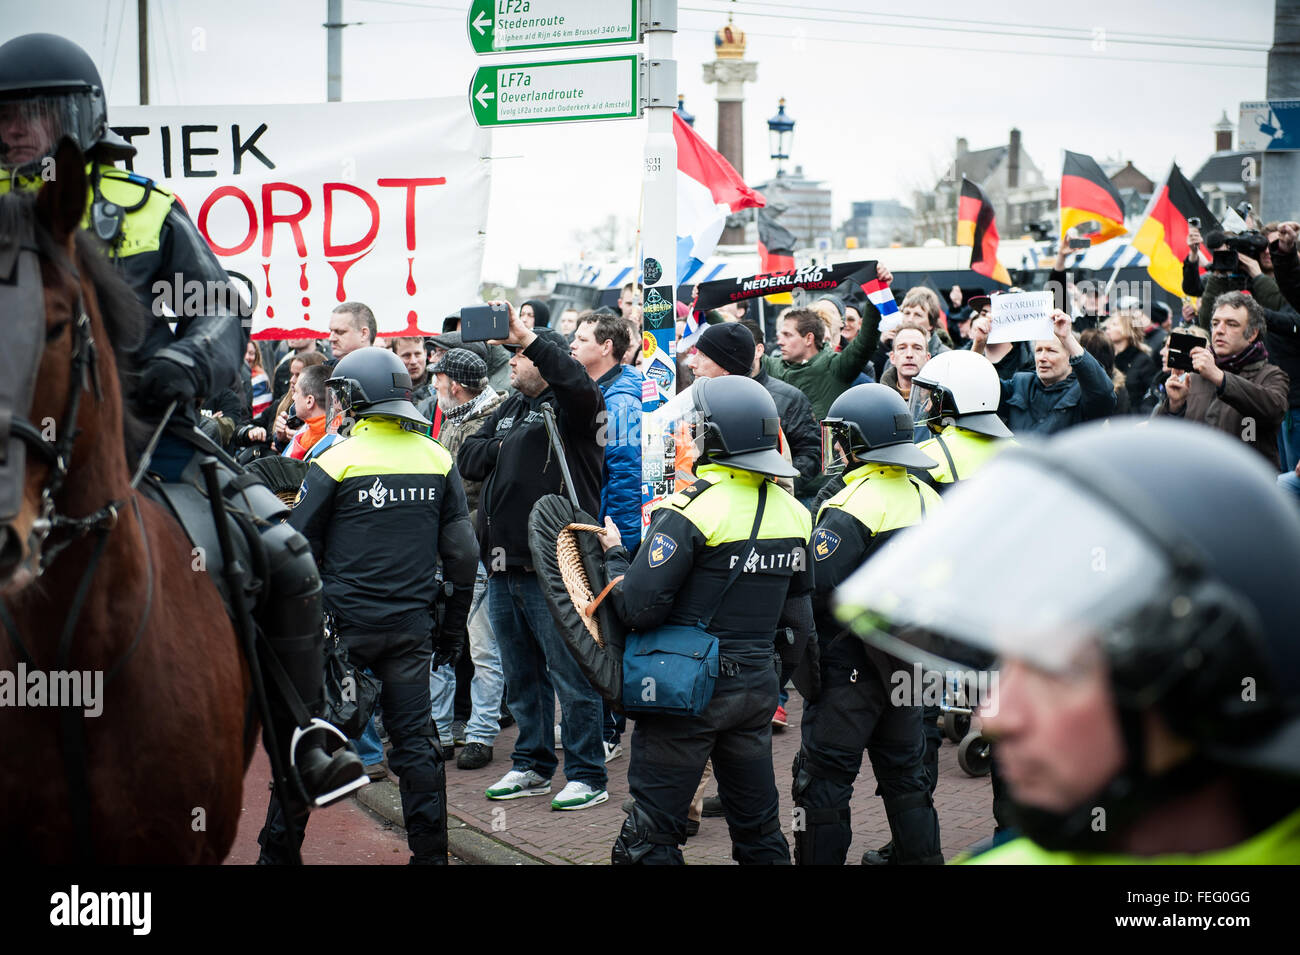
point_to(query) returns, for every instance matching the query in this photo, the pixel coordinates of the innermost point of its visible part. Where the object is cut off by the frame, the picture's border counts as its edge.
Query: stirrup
(320, 801)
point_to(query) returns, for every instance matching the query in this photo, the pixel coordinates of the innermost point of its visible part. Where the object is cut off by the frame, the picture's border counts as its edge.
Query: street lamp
(780, 133)
(687, 118)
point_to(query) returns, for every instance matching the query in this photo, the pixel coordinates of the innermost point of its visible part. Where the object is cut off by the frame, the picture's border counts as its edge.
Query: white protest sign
(1021, 317)
(315, 204)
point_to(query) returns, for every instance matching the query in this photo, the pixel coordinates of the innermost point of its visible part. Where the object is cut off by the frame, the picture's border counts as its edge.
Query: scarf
(306, 437)
(1234, 363)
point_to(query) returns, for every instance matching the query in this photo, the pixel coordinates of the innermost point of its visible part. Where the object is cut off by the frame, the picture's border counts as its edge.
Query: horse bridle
(57, 453)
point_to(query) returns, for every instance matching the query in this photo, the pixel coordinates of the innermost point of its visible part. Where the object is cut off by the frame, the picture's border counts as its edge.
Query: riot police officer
(1146, 707)
(379, 509)
(956, 395)
(50, 90)
(684, 574)
(868, 435)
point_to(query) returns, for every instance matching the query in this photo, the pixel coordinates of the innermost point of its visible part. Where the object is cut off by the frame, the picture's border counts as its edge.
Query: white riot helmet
(958, 387)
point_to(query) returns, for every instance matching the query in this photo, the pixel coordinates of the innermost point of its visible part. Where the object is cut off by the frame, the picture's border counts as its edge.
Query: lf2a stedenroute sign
(502, 26)
(560, 91)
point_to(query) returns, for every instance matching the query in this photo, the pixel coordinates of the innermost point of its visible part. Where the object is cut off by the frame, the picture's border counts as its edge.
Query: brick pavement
(964, 804)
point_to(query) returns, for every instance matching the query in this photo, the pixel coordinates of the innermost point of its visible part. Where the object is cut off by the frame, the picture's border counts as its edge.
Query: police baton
(553, 432)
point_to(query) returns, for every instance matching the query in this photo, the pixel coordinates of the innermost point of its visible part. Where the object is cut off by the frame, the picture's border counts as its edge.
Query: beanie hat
(730, 345)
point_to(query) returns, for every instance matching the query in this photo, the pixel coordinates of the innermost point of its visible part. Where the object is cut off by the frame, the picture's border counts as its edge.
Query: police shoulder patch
(662, 547)
(824, 543)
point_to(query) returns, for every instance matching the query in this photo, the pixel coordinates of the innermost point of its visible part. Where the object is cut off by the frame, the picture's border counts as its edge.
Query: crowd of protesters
(1106, 359)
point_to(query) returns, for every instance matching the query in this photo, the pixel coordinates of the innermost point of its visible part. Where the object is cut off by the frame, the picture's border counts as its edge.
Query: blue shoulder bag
(671, 670)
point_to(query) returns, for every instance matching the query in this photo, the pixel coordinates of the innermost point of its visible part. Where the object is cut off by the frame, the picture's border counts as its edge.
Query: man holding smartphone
(1232, 386)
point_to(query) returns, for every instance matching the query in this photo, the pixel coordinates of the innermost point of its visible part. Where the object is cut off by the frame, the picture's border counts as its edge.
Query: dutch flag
(708, 190)
(881, 297)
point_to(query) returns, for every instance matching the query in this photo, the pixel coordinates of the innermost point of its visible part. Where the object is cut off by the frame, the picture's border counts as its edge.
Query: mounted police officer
(867, 434)
(733, 518)
(50, 90)
(379, 509)
(1145, 710)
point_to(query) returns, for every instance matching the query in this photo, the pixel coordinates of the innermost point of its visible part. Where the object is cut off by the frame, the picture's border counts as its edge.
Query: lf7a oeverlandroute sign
(502, 26)
(556, 92)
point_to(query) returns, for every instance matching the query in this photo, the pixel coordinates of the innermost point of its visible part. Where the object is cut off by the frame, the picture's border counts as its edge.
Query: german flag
(1088, 196)
(775, 250)
(976, 228)
(1163, 234)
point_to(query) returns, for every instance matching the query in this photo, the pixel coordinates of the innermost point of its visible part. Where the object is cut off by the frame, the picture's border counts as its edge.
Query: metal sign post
(659, 267)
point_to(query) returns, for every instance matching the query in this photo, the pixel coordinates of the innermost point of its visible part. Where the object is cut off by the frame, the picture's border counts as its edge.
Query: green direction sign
(500, 26)
(556, 92)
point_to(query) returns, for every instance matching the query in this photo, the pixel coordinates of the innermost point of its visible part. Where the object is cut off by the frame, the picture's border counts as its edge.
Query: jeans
(1288, 440)
(487, 686)
(368, 746)
(538, 668)
(1290, 482)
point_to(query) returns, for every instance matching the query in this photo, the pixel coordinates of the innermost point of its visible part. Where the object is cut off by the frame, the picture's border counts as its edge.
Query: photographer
(1283, 337)
(1234, 388)
(1240, 263)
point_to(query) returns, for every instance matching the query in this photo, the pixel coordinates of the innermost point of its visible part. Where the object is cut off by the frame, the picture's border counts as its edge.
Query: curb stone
(465, 842)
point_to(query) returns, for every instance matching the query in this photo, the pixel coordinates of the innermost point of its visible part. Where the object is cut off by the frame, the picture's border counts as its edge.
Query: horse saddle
(249, 505)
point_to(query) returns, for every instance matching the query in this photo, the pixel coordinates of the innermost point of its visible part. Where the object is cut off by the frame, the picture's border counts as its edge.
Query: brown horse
(161, 766)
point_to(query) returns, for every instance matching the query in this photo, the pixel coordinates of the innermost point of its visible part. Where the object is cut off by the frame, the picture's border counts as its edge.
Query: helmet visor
(923, 403)
(836, 442)
(672, 439)
(1021, 563)
(339, 415)
(32, 126)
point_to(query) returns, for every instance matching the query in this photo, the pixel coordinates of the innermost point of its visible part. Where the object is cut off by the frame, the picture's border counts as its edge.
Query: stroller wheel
(956, 726)
(975, 755)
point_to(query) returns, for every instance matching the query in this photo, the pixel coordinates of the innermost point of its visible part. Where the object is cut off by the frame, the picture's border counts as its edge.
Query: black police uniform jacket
(511, 454)
(379, 509)
(694, 540)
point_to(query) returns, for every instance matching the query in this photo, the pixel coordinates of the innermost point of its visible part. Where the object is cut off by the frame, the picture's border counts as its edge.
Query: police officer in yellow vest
(50, 90)
(956, 395)
(867, 434)
(379, 509)
(1138, 589)
(683, 574)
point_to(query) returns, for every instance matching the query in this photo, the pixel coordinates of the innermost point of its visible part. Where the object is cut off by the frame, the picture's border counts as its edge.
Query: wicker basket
(575, 575)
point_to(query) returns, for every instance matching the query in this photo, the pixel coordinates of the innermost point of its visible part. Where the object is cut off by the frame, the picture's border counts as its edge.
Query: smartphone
(1194, 222)
(1080, 243)
(1180, 350)
(293, 422)
(481, 323)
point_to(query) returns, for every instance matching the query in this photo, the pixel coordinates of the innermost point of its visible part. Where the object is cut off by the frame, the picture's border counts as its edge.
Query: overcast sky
(879, 96)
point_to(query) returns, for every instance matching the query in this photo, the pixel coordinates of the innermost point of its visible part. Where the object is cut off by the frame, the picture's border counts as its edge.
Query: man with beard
(466, 400)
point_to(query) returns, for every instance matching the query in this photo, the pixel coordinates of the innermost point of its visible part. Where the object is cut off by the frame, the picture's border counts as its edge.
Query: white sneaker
(579, 796)
(559, 744)
(515, 785)
(613, 751)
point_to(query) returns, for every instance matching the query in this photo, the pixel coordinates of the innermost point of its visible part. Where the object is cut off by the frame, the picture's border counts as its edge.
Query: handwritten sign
(1021, 317)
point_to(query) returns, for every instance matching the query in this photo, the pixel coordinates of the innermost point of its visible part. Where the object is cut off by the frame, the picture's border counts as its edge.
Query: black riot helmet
(1167, 548)
(50, 88)
(739, 425)
(871, 425)
(373, 382)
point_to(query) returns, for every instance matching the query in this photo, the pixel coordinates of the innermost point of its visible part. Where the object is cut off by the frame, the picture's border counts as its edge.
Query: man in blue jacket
(598, 343)
(1067, 385)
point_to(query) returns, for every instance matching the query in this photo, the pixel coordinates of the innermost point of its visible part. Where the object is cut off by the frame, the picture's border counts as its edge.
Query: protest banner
(1021, 317)
(320, 203)
(812, 278)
